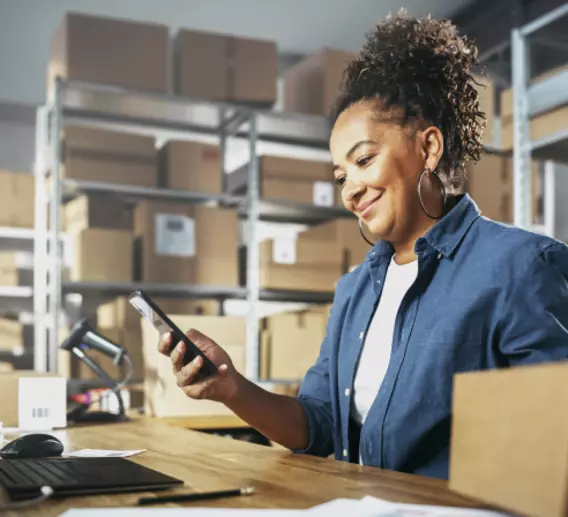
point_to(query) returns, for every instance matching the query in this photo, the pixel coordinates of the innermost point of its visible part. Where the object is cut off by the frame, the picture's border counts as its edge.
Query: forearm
(280, 418)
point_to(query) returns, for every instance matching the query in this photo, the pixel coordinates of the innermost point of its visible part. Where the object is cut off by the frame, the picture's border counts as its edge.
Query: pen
(197, 496)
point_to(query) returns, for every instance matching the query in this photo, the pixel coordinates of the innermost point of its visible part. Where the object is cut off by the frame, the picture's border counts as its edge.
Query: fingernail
(197, 361)
(180, 347)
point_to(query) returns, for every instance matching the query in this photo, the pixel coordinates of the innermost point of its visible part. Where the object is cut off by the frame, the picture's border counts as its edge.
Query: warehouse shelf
(87, 102)
(16, 239)
(530, 100)
(187, 291)
(270, 210)
(16, 299)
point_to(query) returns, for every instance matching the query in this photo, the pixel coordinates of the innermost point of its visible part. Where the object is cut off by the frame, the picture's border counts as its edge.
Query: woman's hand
(222, 387)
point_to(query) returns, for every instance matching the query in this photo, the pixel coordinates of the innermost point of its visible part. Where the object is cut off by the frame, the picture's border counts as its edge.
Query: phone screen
(150, 314)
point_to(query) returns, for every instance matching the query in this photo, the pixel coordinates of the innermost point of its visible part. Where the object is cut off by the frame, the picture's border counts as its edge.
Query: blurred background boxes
(225, 68)
(490, 183)
(162, 396)
(98, 211)
(109, 157)
(16, 268)
(15, 335)
(190, 166)
(312, 85)
(186, 244)
(288, 179)
(290, 344)
(17, 199)
(109, 51)
(102, 255)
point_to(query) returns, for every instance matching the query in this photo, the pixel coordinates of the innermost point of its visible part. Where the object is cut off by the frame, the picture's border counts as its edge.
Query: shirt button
(361, 335)
(439, 256)
(347, 392)
(345, 453)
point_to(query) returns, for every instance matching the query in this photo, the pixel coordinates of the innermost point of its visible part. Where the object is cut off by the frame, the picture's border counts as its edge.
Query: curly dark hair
(420, 68)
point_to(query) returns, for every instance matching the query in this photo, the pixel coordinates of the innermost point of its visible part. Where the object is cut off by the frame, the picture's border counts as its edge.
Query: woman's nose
(354, 190)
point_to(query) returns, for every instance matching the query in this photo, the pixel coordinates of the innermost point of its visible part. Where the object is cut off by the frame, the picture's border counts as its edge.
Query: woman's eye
(361, 162)
(340, 181)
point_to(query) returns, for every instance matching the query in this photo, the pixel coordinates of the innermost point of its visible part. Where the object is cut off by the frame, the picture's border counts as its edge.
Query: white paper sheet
(366, 507)
(101, 453)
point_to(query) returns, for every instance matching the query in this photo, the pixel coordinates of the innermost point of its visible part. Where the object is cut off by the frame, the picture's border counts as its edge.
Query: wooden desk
(206, 422)
(204, 462)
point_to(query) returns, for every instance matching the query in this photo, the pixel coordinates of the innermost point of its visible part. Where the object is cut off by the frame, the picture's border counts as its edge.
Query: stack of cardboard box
(290, 343)
(225, 68)
(17, 198)
(15, 336)
(16, 269)
(186, 244)
(109, 157)
(299, 264)
(344, 235)
(190, 166)
(108, 51)
(101, 238)
(288, 179)
(490, 183)
(162, 396)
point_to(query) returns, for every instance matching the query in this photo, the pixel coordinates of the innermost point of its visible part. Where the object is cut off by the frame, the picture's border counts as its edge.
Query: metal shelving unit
(528, 101)
(118, 108)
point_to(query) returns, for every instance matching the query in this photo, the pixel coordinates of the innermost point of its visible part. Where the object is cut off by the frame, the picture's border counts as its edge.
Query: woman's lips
(366, 207)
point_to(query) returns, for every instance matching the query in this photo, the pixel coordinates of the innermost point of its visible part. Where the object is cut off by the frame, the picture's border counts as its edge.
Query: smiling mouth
(364, 209)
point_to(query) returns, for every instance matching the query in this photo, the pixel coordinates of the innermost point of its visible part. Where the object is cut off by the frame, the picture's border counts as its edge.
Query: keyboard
(23, 478)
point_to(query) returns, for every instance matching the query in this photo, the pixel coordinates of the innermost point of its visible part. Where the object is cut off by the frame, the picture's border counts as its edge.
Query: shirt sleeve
(535, 328)
(315, 393)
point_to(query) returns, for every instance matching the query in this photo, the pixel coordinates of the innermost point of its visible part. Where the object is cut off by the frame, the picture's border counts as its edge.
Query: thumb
(200, 340)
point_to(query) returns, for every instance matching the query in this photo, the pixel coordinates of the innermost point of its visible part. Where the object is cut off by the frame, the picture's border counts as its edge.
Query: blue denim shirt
(486, 295)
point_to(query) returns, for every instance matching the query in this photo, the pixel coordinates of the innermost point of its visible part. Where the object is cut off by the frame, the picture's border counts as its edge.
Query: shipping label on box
(175, 235)
(323, 193)
(284, 250)
(42, 403)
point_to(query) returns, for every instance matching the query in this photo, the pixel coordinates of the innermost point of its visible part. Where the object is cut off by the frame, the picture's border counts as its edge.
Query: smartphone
(150, 310)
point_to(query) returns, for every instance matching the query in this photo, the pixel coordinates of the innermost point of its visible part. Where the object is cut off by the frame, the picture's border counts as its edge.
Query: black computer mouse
(32, 446)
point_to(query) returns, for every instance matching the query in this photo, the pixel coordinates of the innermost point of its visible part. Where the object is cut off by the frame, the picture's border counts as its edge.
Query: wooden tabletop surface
(281, 479)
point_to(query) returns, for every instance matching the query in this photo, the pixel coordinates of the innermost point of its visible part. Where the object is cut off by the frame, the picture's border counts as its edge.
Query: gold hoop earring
(442, 188)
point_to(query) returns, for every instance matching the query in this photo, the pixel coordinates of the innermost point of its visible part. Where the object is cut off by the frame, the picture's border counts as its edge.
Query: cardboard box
(186, 244)
(288, 179)
(109, 156)
(162, 396)
(190, 166)
(33, 401)
(101, 255)
(108, 51)
(102, 211)
(15, 336)
(221, 67)
(313, 85)
(318, 278)
(17, 199)
(345, 234)
(16, 269)
(304, 251)
(118, 313)
(490, 183)
(291, 343)
(510, 437)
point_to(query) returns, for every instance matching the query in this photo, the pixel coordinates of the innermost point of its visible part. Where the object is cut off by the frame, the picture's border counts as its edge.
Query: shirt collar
(447, 234)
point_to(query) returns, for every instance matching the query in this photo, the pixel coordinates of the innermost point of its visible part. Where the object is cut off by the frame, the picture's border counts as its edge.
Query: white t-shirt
(375, 356)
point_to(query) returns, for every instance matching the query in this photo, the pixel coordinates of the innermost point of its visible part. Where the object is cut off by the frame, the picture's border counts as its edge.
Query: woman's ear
(432, 147)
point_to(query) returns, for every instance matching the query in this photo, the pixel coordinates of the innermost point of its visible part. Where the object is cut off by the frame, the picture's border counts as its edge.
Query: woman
(444, 290)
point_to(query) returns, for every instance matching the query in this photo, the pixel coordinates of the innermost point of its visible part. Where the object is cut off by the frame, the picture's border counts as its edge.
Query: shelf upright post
(253, 258)
(40, 240)
(55, 260)
(521, 136)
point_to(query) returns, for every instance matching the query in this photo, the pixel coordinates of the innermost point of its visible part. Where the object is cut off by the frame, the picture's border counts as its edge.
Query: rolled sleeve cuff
(320, 437)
